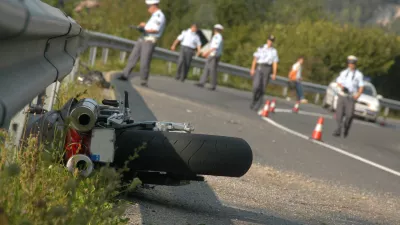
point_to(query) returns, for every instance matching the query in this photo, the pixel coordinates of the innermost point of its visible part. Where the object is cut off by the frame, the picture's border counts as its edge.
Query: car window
(368, 90)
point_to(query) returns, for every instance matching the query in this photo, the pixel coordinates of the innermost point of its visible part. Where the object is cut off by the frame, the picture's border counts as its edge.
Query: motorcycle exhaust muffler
(84, 115)
(81, 162)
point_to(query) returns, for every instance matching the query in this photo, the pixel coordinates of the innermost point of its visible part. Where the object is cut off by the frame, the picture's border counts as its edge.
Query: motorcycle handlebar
(113, 103)
(180, 153)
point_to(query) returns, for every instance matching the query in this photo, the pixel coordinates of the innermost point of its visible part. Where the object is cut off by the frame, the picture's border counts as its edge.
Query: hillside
(385, 13)
(381, 12)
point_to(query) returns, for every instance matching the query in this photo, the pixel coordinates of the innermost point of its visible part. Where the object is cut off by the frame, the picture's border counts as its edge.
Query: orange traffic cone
(296, 107)
(317, 134)
(265, 110)
(272, 108)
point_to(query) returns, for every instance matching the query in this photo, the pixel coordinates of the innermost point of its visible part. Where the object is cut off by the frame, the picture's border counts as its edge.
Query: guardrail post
(169, 65)
(75, 69)
(196, 71)
(92, 56)
(199, 71)
(386, 112)
(18, 122)
(17, 126)
(284, 92)
(71, 76)
(41, 98)
(316, 99)
(225, 78)
(122, 56)
(104, 55)
(385, 115)
(51, 93)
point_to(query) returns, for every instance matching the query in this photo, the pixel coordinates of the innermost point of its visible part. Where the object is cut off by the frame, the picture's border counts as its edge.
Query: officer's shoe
(144, 84)
(122, 77)
(199, 85)
(346, 133)
(336, 134)
(252, 105)
(211, 88)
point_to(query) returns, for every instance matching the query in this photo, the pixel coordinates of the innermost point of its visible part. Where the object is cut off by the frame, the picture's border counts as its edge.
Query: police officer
(152, 31)
(213, 55)
(351, 85)
(190, 41)
(265, 63)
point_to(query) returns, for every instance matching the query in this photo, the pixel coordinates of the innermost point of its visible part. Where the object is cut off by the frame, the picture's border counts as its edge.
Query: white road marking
(304, 113)
(323, 115)
(343, 152)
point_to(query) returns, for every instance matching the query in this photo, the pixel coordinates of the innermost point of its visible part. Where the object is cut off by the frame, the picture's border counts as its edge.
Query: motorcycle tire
(181, 153)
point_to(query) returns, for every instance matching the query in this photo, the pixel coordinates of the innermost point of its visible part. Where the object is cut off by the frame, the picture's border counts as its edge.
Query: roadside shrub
(36, 188)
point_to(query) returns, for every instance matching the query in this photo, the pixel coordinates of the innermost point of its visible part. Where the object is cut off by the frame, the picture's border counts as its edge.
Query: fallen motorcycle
(170, 154)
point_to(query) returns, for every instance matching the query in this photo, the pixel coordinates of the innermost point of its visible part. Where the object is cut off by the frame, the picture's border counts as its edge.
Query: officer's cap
(271, 37)
(152, 2)
(218, 26)
(352, 59)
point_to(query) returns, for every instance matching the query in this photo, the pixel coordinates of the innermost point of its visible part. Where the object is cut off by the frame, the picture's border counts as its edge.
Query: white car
(367, 106)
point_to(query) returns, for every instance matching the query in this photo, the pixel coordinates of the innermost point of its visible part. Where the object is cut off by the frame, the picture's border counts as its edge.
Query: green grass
(36, 188)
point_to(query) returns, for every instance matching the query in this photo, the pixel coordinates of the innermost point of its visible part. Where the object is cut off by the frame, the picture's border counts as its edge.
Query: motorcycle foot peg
(36, 109)
(81, 162)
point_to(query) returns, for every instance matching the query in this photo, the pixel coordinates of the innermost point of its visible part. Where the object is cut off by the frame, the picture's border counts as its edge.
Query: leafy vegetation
(37, 189)
(324, 36)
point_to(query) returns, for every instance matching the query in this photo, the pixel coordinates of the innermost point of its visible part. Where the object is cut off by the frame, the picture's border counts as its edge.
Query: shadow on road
(192, 204)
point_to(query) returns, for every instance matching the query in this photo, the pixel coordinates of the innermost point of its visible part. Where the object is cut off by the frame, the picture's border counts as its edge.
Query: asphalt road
(279, 149)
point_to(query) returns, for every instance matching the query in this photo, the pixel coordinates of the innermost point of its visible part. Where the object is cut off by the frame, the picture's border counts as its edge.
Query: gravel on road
(265, 195)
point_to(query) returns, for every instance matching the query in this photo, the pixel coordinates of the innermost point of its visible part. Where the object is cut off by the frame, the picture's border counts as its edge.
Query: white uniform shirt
(156, 22)
(352, 80)
(189, 39)
(266, 55)
(217, 42)
(297, 66)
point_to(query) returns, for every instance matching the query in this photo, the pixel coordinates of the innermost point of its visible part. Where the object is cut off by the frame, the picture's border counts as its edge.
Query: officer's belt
(189, 47)
(341, 93)
(264, 64)
(150, 38)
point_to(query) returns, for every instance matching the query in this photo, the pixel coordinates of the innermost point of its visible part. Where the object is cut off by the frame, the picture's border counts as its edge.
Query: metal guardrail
(96, 39)
(38, 45)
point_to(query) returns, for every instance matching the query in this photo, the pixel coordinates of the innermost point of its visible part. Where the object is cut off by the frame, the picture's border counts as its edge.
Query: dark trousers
(210, 69)
(298, 87)
(143, 50)
(345, 108)
(260, 82)
(299, 90)
(184, 61)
